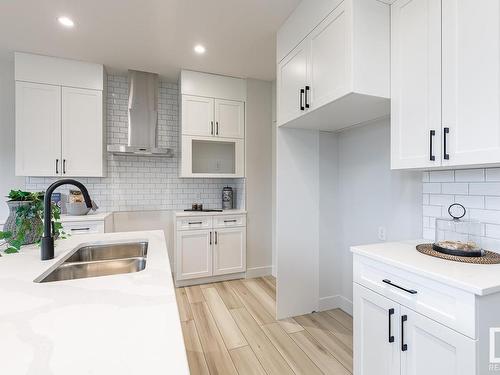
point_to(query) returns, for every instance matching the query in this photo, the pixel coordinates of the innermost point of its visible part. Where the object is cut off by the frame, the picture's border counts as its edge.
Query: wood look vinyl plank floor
(230, 328)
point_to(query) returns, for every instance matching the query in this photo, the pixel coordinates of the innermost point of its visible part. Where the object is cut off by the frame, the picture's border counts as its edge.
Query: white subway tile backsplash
(137, 183)
(469, 175)
(485, 188)
(476, 189)
(455, 188)
(442, 176)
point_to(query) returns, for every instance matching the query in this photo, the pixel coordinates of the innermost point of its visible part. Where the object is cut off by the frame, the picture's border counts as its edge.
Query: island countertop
(120, 324)
(480, 279)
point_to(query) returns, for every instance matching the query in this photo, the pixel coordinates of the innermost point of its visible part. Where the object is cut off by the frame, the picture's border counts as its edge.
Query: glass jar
(456, 236)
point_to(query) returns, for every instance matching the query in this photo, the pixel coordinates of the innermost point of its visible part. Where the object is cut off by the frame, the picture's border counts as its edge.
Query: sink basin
(98, 260)
(110, 251)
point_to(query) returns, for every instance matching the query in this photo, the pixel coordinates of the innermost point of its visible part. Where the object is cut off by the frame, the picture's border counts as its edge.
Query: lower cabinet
(391, 339)
(209, 246)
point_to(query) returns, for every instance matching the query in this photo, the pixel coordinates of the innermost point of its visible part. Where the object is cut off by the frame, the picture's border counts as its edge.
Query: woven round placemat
(489, 257)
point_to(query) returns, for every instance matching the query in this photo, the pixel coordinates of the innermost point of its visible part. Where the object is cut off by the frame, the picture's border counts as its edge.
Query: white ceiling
(151, 35)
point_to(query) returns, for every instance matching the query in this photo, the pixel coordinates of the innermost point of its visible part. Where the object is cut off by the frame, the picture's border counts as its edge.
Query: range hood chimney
(142, 117)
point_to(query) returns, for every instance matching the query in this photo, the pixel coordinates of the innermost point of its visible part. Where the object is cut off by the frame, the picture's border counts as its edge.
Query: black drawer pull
(391, 337)
(79, 229)
(404, 347)
(195, 222)
(431, 154)
(230, 221)
(411, 291)
(445, 143)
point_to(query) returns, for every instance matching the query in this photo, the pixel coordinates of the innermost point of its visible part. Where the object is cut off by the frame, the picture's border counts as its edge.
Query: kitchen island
(119, 324)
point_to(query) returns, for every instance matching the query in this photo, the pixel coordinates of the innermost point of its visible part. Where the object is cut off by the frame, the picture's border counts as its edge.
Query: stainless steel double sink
(98, 260)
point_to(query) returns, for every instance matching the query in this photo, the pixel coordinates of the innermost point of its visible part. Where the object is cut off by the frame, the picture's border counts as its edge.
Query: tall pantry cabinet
(445, 94)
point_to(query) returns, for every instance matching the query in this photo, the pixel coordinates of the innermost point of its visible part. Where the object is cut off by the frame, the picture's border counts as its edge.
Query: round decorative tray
(458, 253)
(488, 257)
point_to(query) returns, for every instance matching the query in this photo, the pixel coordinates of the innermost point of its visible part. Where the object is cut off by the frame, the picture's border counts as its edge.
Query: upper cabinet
(212, 125)
(445, 109)
(59, 117)
(333, 64)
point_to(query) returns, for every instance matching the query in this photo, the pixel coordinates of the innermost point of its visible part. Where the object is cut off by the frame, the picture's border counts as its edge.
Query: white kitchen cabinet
(445, 73)
(82, 132)
(197, 115)
(471, 76)
(433, 349)
(212, 135)
(87, 224)
(376, 334)
(194, 254)
(59, 127)
(229, 250)
(229, 118)
(338, 74)
(416, 84)
(38, 129)
(208, 247)
(291, 83)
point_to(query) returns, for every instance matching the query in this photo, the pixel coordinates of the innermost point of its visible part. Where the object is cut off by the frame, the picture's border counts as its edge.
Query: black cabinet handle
(301, 94)
(216, 238)
(411, 291)
(57, 166)
(210, 238)
(445, 143)
(211, 127)
(80, 229)
(431, 139)
(305, 96)
(64, 166)
(404, 347)
(230, 221)
(195, 222)
(217, 128)
(391, 337)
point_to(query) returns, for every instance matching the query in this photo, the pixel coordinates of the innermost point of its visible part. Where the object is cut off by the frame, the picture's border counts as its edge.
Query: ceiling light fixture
(199, 49)
(66, 21)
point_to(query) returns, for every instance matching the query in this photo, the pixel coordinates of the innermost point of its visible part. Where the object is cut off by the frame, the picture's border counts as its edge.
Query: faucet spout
(47, 242)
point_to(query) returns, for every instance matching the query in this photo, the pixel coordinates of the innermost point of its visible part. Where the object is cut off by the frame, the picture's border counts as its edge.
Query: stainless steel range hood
(142, 117)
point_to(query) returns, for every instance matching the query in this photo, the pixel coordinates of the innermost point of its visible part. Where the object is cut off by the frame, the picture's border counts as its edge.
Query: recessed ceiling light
(66, 21)
(199, 49)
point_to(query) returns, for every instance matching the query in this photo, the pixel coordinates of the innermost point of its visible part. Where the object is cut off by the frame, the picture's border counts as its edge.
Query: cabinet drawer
(230, 221)
(452, 307)
(84, 227)
(194, 222)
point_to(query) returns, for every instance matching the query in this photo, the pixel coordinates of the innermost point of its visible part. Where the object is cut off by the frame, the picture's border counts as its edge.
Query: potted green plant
(24, 225)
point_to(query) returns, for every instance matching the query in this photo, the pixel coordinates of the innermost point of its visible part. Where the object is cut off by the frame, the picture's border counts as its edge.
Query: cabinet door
(291, 79)
(197, 116)
(415, 83)
(38, 129)
(433, 349)
(376, 334)
(229, 118)
(330, 57)
(82, 132)
(471, 81)
(193, 254)
(229, 250)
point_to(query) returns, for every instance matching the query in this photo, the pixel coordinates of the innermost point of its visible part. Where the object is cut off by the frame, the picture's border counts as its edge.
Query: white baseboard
(259, 271)
(335, 302)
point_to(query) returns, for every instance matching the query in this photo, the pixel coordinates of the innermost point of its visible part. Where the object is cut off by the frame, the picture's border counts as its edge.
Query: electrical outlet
(381, 233)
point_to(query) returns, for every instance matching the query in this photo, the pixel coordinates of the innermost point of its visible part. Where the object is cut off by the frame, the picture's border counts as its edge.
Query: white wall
(259, 177)
(369, 196)
(7, 131)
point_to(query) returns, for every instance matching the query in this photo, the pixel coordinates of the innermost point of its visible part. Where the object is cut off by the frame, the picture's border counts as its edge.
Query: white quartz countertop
(213, 213)
(120, 324)
(480, 279)
(91, 216)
